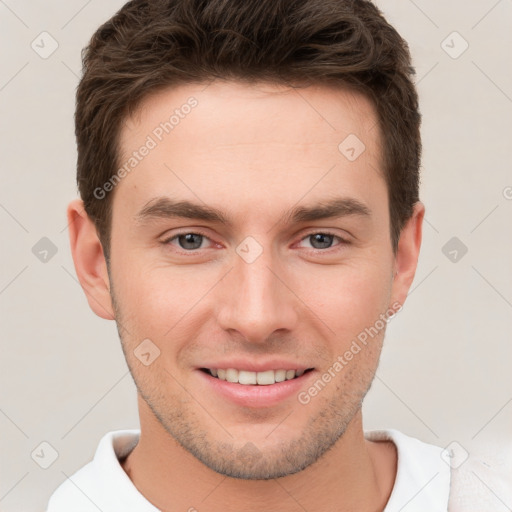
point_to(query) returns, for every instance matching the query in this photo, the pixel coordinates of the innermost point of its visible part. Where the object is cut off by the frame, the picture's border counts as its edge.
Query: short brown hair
(153, 44)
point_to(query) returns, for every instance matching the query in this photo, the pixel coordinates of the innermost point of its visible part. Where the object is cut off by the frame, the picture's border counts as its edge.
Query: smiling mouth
(248, 378)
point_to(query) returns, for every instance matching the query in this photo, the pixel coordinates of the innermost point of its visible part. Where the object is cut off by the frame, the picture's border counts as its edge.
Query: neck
(355, 474)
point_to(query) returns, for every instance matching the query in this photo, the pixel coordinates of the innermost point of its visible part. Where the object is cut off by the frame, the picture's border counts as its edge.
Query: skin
(254, 152)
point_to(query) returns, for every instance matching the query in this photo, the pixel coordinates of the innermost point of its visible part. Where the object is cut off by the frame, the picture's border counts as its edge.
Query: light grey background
(445, 370)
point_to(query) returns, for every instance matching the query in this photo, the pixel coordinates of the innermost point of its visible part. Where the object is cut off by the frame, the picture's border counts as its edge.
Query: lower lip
(256, 395)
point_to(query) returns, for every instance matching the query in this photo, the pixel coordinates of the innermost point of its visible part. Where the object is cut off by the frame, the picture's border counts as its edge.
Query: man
(250, 218)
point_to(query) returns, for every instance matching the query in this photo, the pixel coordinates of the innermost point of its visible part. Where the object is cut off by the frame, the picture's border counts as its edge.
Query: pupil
(187, 241)
(324, 239)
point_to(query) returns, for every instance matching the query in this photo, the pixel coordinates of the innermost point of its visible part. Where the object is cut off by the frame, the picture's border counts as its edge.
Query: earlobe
(406, 259)
(90, 264)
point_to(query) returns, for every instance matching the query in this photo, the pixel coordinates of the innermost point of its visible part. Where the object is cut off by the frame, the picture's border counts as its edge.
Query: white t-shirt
(422, 482)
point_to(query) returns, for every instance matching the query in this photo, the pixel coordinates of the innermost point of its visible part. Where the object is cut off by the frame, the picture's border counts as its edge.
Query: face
(245, 240)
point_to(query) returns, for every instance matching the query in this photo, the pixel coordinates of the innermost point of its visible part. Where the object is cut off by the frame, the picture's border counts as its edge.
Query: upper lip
(256, 366)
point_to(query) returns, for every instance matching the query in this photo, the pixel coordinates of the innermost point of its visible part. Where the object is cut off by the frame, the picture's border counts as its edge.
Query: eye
(188, 241)
(193, 241)
(323, 240)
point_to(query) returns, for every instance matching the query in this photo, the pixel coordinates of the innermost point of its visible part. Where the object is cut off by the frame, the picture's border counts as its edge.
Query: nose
(256, 299)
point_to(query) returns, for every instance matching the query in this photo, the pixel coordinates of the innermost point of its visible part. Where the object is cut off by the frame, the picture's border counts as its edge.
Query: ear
(90, 264)
(406, 259)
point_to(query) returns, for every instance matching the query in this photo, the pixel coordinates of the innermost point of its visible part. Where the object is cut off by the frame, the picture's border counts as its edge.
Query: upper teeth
(263, 378)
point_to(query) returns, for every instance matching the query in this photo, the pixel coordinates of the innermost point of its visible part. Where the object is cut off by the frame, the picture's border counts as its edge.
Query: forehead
(226, 141)
(282, 113)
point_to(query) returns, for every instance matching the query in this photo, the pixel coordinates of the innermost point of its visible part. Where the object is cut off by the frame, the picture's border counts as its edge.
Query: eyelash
(342, 241)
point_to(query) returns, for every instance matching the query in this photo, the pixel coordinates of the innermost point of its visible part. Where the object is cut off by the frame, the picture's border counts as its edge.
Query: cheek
(353, 298)
(154, 300)
(159, 301)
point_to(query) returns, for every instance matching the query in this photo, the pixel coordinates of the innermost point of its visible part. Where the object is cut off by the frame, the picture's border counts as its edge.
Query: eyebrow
(165, 207)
